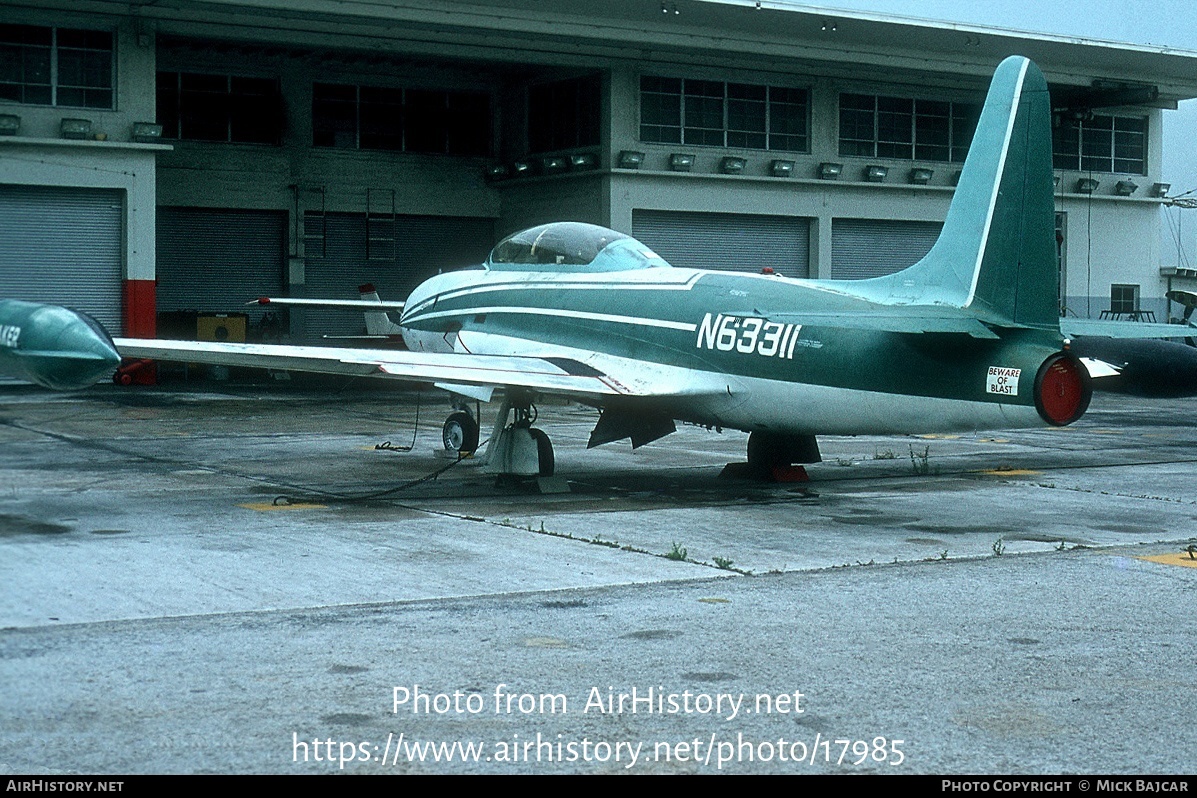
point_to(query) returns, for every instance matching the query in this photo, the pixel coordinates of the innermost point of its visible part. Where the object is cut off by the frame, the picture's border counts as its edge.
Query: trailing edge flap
(1125, 329)
(892, 322)
(550, 375)
(482, 393)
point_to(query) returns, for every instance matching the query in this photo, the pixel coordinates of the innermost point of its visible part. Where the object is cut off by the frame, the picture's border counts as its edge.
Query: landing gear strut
(518, 449)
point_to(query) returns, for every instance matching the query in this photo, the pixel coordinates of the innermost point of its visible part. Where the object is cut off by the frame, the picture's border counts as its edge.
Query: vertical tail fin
(996, 254)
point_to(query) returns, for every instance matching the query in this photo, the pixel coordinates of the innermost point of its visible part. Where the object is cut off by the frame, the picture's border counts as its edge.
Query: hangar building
(191, 154)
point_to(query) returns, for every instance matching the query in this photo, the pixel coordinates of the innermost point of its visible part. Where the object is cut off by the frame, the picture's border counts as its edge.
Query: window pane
(168, 104)
(895, 133)
(469, 123)
(704, 113)
(787, 119)
(427, 121)
(858, 132)
(334, 115)
(661, 110)
(381, 116)
(932, 130)
(745, 116)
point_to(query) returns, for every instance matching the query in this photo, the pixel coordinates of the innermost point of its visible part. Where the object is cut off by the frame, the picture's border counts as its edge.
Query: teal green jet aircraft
(53, 346)
(968, 338)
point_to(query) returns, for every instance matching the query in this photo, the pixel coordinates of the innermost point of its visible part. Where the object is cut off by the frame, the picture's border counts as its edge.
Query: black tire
(460, 433)
(544, 452)
(765, 452)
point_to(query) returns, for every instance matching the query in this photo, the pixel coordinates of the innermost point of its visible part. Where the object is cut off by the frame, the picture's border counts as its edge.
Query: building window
(1115, 144)
(906, 129)
(402, 120)
(564, 115)
(56, 66)
(716, 114)
(1124, 299)
(195, 107)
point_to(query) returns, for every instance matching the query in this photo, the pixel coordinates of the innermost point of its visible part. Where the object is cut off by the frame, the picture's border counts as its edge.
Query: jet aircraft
(966, 339)
(53, 346)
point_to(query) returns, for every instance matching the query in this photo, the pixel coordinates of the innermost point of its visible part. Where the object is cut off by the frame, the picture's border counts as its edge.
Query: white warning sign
(1003, 381)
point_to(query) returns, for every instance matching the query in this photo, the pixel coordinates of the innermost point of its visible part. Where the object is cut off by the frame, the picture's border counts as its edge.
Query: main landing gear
(517, 450)
(772, 456)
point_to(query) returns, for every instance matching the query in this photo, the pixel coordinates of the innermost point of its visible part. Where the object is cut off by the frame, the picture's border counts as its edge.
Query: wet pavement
(217, 577)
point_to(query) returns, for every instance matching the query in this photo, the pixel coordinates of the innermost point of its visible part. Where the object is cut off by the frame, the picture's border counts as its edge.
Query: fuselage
(785, 368)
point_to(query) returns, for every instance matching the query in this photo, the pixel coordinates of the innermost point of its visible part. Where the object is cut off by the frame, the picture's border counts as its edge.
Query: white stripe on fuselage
(997, 183)
(639, 321)
(643, 280)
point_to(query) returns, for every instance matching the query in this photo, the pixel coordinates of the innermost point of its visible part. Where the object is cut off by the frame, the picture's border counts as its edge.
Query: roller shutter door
(396, 256)
(863, 248)
(216, 260)
(728, 241)
(63, 246)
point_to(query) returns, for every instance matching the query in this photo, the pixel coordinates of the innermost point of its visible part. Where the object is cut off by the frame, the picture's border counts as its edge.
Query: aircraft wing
(1125, 329)
(555, 375)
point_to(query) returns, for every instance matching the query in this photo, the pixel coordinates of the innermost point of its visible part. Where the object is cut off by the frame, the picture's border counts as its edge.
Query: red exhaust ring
(1062, 390)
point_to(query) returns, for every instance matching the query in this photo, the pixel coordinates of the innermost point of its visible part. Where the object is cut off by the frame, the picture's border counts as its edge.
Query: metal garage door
(216, 260)
(730, 241)
(863, 248)
(63, 246)
(399, 254)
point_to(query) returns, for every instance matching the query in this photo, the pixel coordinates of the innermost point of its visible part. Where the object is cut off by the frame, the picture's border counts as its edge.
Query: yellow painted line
(1013, 472)
(938, 437)
(1181, 558)
(266, 507)
(1106, 431)
(715, 601)
(995, 440)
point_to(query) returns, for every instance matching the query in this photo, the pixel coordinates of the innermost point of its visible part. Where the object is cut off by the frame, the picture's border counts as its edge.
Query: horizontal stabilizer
(1125, 329)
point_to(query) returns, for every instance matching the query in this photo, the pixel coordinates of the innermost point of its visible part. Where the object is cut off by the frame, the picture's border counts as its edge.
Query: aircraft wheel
(544, 452)
(460, 433)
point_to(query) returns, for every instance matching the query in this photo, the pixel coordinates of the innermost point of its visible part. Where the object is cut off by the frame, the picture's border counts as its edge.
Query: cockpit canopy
(562, 245)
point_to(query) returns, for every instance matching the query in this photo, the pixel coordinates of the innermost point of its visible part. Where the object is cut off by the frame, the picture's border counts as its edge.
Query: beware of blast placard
(1003, 381)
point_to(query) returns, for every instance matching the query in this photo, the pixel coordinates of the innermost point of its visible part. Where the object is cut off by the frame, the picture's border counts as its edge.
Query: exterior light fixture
(1087, 185)
(582, 160)
(1160, 189)
(782, 168)
(553, 164)
(1124, 188)
(520, 168)
(1055, 181)
(630, 159)
(830, 171)
(9, 124)
(75, 128)
(496, 172)
(921, 176)
(147, 132)
(681, 161)
(876, 174)
(732, 165)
